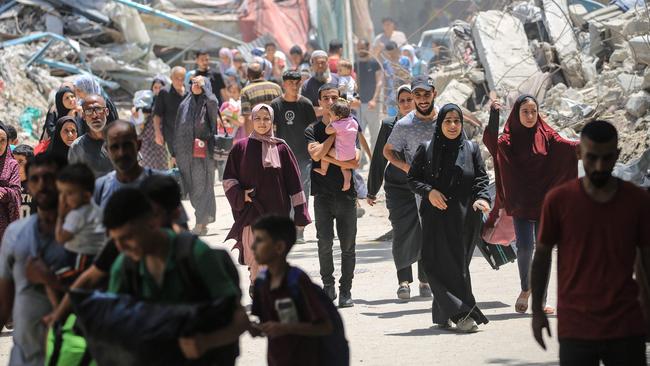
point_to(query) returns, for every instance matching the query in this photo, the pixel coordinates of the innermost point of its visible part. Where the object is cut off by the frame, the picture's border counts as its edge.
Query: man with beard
(89, 148)
(415, 128)
(597, 223)
(122, 145)
(20, 273)
(320, 75)
(214, 76)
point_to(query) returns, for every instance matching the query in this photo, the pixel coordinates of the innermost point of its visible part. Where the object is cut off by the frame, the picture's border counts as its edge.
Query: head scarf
(61, 110)
(10, 179)
(445, 151)
(529, 162)
(158, 79)
(57, 146)
(411, 51)
(270, 154)
(193, 108)
(225, 51)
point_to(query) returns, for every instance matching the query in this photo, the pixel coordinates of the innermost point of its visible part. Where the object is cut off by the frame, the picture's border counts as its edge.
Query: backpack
(333, 348)
(66, 346)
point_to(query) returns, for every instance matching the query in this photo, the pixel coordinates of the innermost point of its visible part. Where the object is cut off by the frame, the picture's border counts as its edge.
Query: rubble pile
(581, 65)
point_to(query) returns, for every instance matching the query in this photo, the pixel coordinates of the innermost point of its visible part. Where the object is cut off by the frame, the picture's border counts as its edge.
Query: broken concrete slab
(578, 13)
(638, 104)
(455, 92)
(646, 79)
(630, 82)
(640, 49)
(564, 41)
(503, 50)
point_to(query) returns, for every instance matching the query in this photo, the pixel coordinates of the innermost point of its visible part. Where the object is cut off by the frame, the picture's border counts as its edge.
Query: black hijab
(57, 146)
(61, 110)
(444, 153)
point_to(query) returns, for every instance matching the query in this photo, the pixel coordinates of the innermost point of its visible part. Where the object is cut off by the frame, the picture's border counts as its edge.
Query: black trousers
(406, 274)
(628, 351)
(342, 209)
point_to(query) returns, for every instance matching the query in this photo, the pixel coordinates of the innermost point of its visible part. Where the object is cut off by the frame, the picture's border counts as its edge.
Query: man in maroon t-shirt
(598, 223)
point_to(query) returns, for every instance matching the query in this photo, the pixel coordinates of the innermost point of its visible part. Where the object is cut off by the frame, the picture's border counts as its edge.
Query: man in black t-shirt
(293, 114)
(370, 80)
(215, 77)
(331, 203)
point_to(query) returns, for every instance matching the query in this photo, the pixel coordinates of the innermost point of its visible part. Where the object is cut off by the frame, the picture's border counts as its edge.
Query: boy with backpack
(300, 320)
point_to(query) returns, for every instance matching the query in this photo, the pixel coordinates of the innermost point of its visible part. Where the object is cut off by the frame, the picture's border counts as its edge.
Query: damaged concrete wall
(503, 50)
(560, 30)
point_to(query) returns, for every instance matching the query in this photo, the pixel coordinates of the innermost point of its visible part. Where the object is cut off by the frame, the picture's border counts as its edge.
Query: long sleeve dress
(449, 236)
(400, 201)
(277, 190)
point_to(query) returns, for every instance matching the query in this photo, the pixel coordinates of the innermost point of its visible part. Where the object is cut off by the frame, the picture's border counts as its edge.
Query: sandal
(522, 302)
(549, 310)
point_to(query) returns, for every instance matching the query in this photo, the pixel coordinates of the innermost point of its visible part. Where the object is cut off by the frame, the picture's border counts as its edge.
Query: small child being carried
(78, 226)
(345, 128)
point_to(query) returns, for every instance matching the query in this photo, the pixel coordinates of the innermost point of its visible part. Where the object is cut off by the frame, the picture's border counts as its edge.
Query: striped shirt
(257, 92)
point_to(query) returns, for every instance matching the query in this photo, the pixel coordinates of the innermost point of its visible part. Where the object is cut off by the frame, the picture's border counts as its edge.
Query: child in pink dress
(345, 128)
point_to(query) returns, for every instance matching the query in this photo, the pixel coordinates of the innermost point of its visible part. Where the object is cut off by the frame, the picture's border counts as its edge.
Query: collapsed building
(581, 62)
(580, 65)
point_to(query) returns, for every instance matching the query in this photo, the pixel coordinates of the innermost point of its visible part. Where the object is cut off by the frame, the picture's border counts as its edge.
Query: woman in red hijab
(530, 158)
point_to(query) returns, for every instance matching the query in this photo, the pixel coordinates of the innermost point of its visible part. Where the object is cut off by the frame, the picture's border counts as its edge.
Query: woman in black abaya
(449, 174)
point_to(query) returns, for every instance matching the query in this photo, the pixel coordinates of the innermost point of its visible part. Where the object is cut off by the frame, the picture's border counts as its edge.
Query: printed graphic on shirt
(289, 116)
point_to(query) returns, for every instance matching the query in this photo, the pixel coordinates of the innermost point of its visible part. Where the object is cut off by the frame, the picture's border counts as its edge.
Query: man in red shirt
(597, 222)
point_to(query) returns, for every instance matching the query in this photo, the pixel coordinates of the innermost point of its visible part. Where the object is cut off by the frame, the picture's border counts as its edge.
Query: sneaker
(404, 292)
(446, 325)
(467, 326)
(345, 301)
(330, 291)
(425, 291)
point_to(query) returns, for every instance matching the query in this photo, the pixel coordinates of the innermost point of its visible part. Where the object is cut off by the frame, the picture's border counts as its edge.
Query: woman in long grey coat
(195, 128)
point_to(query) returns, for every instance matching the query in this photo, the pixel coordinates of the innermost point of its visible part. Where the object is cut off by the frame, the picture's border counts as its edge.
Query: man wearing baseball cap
(409, 132)
(293, 113)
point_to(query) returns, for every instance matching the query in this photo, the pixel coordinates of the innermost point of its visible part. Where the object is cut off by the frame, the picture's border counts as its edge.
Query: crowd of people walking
(97, 205)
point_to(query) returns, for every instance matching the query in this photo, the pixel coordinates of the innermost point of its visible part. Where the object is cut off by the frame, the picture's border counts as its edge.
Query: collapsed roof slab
(560, 31)
(503, 50)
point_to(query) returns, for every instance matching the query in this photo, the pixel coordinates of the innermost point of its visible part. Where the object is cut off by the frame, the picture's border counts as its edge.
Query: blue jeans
(525, 232)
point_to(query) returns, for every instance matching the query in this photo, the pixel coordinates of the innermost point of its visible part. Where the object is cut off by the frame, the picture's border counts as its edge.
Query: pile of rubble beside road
(582, 60)
(580, 65)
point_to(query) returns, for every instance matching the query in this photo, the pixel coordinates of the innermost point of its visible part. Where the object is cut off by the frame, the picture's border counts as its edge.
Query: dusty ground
(384, 331)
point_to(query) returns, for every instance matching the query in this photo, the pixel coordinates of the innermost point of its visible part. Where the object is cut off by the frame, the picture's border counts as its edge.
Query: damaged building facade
(583, 60)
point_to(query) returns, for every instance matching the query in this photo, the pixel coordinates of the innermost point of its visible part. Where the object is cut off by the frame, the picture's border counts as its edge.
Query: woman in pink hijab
(261, 177)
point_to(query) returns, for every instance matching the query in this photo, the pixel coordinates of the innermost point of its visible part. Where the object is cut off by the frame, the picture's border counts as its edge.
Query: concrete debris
(561, 35)
(503, 50)
(455, 92)
(640, 49)
(630, 82)
(646, 80)
(638, 103)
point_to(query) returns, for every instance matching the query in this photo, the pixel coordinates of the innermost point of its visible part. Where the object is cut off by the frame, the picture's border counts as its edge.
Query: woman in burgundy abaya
(261, 177)
(530, 158)
(10, 188)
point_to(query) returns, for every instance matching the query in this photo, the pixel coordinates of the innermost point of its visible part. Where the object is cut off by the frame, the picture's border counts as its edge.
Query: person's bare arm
(157, 128)
(348, 164)
(7, 292)
(87, 280)
(61, 235)
(277, 329)
(194, 347)
(393, 157)
(364, 145)
(317, 150)
(379, 84)
(539, 274)
(330, 130)
(355, 103)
